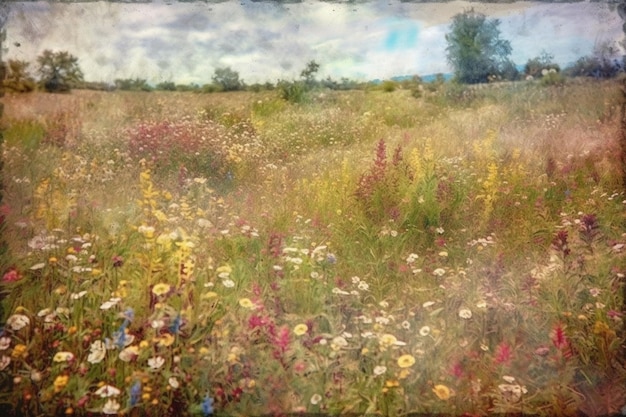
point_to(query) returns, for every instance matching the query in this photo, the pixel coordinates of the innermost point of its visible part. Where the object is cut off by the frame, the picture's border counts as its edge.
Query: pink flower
(456, 369)
(256, 321)
(282, 339)
(11, 276)
(503, 353)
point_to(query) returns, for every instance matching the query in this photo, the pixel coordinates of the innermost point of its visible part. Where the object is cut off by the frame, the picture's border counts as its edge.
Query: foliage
(540, 65)
(166, 86)
(596, 67)
(508, 71)
(309, 72)
(58, 71)
(18, 78)
(227, 79)
(292, 91)
(475, 50)
(606, 61)
(388, 86)
(132, 84)
(552, 77)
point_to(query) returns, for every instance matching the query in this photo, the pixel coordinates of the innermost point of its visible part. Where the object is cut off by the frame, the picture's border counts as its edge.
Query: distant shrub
(596, 67)
(536, 66)
(389, 86)
(292, 91)
(552, 77)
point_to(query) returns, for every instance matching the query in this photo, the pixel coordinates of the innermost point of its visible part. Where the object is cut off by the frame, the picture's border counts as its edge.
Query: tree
(475, 49)
(606, 61)
(227, 79)
(18, 78)
(59, 71)
(309, 72)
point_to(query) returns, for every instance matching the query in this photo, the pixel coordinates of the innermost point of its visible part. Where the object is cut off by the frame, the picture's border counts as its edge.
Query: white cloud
(185, 42)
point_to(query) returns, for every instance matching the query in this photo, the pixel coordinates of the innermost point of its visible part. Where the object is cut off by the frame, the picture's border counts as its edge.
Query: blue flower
(135, 393)
(175, 327)
(120, 337)
(207, 406)
(128, 314)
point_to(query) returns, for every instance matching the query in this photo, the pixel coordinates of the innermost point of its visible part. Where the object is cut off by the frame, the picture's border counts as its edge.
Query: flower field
(364, 252)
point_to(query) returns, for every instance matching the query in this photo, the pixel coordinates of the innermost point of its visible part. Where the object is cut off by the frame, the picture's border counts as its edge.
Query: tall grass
(360, 252)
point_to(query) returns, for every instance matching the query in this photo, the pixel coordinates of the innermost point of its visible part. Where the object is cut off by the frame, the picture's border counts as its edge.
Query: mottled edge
(4, 12)
(4, 16)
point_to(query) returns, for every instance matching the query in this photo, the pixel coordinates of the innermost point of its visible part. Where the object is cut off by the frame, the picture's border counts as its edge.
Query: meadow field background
(362, 252)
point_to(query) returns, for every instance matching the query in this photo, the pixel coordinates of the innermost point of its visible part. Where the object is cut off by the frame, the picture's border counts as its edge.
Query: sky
(185, 42)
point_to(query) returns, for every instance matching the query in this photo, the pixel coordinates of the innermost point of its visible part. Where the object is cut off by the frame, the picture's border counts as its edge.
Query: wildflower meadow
(363, 252)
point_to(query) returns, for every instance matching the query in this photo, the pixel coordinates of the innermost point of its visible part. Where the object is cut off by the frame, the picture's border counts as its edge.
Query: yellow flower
(147, 231)
(160, 289)
(166, 340)
(208, 295)
(60, 290)
(224, 271)
(19, 351)
(60, 382)
(442, 392)
(63, 357)
(52, 260)
(246, 303)
(406, 361)
(404, 373)
(392, 383)
(386, 341)
(601, 328)
(300, 329)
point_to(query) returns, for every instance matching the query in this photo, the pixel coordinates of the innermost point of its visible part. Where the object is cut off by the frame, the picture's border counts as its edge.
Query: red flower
(456, 369)
(559, 338)
(11, 276)
(118, 261)
(256, 321)
(503, 353)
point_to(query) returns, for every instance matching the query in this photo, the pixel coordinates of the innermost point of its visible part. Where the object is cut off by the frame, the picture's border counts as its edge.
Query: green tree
(475, 50)
(227, 79)
(309, 72)
(59, 71)
(18, 78)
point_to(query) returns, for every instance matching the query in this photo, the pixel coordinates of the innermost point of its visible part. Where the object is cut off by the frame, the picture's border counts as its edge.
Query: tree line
(475, 51)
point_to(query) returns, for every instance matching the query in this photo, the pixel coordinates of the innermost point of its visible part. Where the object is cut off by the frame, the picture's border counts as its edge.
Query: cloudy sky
(264, 41)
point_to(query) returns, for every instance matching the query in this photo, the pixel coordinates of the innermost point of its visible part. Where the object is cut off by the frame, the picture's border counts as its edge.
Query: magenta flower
(503, 353)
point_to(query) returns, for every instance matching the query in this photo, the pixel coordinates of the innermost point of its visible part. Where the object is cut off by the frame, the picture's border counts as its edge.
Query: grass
(359, 252)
